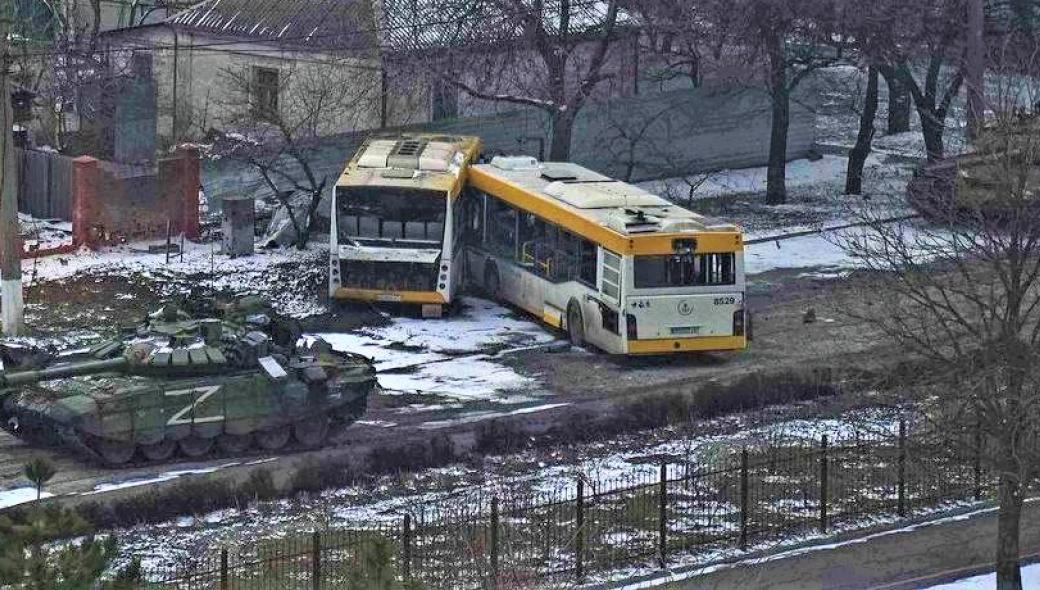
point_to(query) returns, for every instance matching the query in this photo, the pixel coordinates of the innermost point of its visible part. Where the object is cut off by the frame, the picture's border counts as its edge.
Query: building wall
(686, 132)
(194, 91)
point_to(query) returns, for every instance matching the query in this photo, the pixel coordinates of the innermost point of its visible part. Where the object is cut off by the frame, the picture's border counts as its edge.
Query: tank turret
(190, 386)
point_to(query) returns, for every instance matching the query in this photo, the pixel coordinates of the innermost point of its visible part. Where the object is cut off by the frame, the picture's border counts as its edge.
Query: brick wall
(113, 203)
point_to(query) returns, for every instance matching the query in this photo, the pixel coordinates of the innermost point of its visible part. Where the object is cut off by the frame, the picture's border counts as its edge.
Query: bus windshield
(684, 270)
(382, 216)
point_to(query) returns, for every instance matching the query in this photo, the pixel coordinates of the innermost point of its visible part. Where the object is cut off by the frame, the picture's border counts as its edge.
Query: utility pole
(975, 67)
(11, 304)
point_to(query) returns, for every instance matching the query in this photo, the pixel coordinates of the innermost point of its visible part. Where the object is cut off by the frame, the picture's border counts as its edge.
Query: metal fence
(743, 498)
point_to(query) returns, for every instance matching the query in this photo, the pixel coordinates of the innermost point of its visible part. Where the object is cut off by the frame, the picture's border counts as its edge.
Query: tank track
(40, 429)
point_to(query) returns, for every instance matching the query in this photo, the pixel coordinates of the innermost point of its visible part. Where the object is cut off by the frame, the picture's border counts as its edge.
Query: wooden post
(823, 484)
(663, 515)
(223, 568)
(743, 499)
(316, 561)
(977, 467)
(12, 308)
(169, 229)
(406, 547)
(494, 542)
(579, 534)
(901, 491)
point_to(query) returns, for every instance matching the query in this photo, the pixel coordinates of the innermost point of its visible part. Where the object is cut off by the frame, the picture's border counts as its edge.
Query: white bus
(395, 235)
(611, 264)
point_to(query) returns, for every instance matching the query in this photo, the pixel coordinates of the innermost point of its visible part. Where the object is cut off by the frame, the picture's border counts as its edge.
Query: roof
(340, 24)
(417, 161)
(423, 24)
(577, 193)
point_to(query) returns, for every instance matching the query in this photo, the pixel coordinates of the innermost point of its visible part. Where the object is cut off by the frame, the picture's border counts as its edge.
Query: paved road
(901, 559)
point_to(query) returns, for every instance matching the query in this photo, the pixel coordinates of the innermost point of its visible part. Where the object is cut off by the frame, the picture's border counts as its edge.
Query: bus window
(672, 270)
(587, 261)
(387, 214)
(501, 232)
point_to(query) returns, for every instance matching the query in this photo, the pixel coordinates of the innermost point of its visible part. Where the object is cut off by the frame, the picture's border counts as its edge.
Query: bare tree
(551, 56)
(936, 36)
(275, 125)
(785, 40)
(963, 294)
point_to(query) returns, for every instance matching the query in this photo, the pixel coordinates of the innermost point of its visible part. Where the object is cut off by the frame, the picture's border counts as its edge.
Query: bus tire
(491, 281)
(575, 324)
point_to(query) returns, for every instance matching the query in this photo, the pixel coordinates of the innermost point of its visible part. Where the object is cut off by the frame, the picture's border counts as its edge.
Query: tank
(987, 182)
(238, 380)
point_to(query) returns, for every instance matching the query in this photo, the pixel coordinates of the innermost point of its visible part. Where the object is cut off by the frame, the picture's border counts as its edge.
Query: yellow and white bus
(611, 264)
(396, 234)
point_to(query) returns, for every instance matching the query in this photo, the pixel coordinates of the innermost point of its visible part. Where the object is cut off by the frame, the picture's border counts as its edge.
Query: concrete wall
(639, 138)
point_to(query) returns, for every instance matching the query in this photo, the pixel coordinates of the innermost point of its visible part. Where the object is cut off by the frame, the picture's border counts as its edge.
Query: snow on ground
(609, 462)
(453, 356)
(1030, 579)
(800, 173)
(16, 496)
(201, 265)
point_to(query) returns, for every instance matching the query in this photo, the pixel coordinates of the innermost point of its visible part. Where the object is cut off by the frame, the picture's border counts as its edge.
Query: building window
(265, 93)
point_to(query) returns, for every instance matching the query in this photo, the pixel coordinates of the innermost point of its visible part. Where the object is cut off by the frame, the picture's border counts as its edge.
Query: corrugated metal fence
(44, 184)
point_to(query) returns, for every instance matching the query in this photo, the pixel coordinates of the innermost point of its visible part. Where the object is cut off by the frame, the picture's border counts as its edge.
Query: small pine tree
(39, 471)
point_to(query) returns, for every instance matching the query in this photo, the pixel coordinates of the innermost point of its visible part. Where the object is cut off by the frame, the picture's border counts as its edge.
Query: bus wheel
(491, 281)
(575, 325)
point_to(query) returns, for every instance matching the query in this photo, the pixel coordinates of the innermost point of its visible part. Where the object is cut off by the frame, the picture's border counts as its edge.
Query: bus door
(609, 295)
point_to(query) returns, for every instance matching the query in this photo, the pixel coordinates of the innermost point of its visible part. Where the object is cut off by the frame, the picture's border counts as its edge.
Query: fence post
(743, 499)
(901, 489)
(494, 542)
(316, 561)
(223, 568)
(579, 539)
(663, 519)
(978, 458)
(406, 547)
(823, 484)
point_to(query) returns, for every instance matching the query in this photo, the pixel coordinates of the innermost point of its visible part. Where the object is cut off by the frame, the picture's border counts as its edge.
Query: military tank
(999, 179)
(178, 385)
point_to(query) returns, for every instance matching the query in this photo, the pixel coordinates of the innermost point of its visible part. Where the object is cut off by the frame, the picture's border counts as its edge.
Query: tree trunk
(975, 67)
(898, 104)
(859, 153)
(1009, 516)
(562, 128)
(933, 134)
(776, 177)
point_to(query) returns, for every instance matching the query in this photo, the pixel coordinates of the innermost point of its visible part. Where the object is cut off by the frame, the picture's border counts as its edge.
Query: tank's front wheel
(160, 451)
(274, 439)
(311, 433)
(114, 453)
(194, 447)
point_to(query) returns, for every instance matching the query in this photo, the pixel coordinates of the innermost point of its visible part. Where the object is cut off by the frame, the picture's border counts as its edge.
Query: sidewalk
(906, 558)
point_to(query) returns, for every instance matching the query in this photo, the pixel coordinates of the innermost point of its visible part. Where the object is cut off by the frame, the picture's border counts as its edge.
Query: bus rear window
(677, 270)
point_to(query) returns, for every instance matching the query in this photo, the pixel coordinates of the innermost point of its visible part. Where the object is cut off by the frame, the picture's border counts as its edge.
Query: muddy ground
(569, 379)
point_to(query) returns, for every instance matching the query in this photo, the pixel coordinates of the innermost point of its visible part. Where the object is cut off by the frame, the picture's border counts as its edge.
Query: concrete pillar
(190, 181)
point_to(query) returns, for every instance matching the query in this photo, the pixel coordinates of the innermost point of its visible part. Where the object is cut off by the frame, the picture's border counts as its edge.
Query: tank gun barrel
(60, 371)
